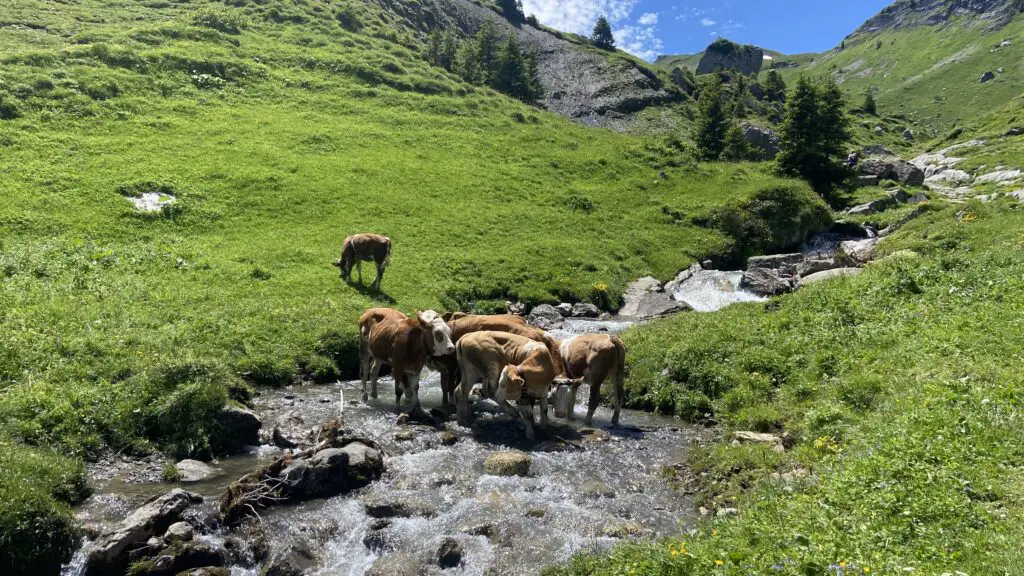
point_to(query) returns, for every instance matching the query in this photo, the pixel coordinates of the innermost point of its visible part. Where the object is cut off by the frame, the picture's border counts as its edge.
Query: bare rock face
(647, 298)
(766, 282)
(904, 15)
(725, 55)
(765, 140)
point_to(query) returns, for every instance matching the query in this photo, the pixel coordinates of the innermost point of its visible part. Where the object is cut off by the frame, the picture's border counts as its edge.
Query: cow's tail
(620, 370)
(556, 353)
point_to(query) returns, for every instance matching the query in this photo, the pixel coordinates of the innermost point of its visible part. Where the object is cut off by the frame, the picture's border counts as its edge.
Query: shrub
(184, 400)
(222, 20)
(8, 108)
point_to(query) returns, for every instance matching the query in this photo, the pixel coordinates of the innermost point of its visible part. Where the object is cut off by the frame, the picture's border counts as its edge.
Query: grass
(901, 391)
(280, 128)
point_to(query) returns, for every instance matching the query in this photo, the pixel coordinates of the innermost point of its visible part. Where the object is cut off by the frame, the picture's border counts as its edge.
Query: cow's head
(510, 384)
(438, 332)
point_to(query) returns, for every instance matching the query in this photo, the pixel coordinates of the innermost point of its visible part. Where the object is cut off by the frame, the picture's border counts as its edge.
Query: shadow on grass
(369, 292)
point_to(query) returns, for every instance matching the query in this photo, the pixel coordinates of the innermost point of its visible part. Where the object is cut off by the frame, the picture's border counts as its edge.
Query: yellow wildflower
(719, 562)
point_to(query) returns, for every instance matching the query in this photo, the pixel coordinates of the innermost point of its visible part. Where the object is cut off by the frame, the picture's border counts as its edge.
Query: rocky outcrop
(239, 427)
(903, 15)
(725, 55)
(766, 282)
(646, 298)
(892, 168)
(764, 140)
(583, 85)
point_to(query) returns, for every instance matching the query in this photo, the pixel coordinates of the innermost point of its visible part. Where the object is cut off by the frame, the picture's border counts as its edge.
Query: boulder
(786, 264)
(181, 558)
(398, 564)
(873, 207)
(545, 312)
(878, 167)
(515, 308)
(239, 428)
(908, 135)
(179, 532)
(565, 309)
(908, 174)
(857, 252)
(1000, 176)
(813, 266)
(332, 471)
(194, 471)
(449, 555)
(987, 77)
(1015, 131)
(775, 442)
(109, 554)
(763, 139)
(828, 275)
(949, 175)
(399, 509)
(646, 298)
(892, 168)
(512, 463)
(295, 560)
(766, 282)
(585, 310)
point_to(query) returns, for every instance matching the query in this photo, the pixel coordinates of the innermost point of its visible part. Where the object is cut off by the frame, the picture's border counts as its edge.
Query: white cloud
(579, 16)
(648, 19)
(707, 22)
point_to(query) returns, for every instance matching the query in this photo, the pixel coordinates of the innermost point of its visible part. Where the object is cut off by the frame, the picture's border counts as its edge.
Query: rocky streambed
(450, 499)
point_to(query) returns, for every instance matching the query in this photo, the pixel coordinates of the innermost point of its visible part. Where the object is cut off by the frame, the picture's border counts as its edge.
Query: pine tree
(739, 97)
(869, 103)
(813, 135)
(487, 49)
(712, 122)
(467, 63)
(737, 148)
(603, 37)
(512, 77)
(776, 88)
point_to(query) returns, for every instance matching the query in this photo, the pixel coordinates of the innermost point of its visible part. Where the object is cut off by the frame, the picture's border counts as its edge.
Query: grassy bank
(280, 129)
(901, 391)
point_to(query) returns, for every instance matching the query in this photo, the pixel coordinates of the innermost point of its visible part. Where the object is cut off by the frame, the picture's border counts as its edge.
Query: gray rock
(892, 169)
(857, 251)
(298, 559)
(332, 471)
(725, 55)
(399, 509)
(597, 489)
(786, 264)
(646, 298)
(565, 309)
(987, 77)
(765, 282)
(829, 275)
(585, 310)
(512, 463)
(908, 174)
(449, 555)
(194, 471)
(1000, 176)
(764, 140)
(949, 175)
(547, 312)
(1019, 195)
(239, 428)
(109, 554)
(813, 266)
(398, 564)
(179, 532)
(1015, 131)
(515, 308)
(908, 135)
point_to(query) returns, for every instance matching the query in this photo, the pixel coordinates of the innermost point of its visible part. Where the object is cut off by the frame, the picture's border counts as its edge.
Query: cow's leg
(462, 413)
(374, 374)
(359, 270)
(544, 410)
(400, 380)
(595, 399)
(572, 401)
(364, 372)
(412, 389)
(380, 276)
(526, 413)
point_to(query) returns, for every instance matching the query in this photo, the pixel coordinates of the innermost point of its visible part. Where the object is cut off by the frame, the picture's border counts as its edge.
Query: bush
(222, 20)
(184, 400)
(38, 532)
(8, 108)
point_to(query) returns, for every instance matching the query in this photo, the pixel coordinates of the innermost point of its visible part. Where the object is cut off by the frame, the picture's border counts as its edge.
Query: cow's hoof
(364, 397)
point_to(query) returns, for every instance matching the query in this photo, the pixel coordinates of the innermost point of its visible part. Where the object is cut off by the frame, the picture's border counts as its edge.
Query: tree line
(812, 138)
(487, 59)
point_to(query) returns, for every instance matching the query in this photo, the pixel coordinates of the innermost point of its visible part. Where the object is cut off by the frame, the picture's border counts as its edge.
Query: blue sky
(648, 28)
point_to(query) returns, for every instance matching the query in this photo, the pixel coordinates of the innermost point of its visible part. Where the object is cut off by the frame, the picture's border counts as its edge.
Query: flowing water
(608, 484)
(712, 290)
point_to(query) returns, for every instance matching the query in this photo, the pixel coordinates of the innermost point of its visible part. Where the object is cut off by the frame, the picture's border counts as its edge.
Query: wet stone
(449, 555)
(536, 513)
(508, 464)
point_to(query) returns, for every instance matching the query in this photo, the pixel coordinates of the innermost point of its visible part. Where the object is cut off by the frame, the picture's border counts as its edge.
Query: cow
(360, 248)
(512, 368)
(388, 336)
(593, 358)
(462, 324)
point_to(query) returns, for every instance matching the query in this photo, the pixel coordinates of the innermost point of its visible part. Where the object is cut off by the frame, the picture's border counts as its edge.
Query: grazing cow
(387, 336)
(360, 248)
(593, 358)
(462, 324)
(511, 367)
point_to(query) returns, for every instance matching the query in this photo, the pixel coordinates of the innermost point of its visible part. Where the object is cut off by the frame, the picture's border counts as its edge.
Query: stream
(586, 491)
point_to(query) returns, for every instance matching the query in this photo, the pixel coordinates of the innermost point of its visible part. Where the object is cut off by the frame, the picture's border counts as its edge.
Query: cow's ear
(447, 317)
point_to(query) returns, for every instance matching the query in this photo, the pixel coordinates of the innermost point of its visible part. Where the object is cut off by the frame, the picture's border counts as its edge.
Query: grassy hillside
(901, 392)
(928, 76)
(281, 128)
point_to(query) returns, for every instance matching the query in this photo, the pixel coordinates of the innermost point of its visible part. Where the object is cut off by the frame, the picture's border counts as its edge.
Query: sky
(648, 28)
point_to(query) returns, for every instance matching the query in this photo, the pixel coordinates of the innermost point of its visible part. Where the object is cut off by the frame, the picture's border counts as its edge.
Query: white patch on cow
(440, 333)
(564, 350)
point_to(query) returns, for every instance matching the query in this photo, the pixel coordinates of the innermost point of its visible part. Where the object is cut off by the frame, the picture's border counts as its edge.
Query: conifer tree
(776, 88)
(813, 135)
(736, 149)
(487, 49)
(870, 106)
(603, 37)
(712, 122)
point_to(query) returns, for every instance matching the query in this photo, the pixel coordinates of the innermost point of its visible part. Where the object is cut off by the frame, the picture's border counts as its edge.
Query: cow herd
(510, 360)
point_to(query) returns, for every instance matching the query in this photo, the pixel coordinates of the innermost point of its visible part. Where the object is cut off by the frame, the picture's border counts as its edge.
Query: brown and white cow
(592, 358)
(388, 336)
(462, 324)
(512, 368)
(360, 248)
